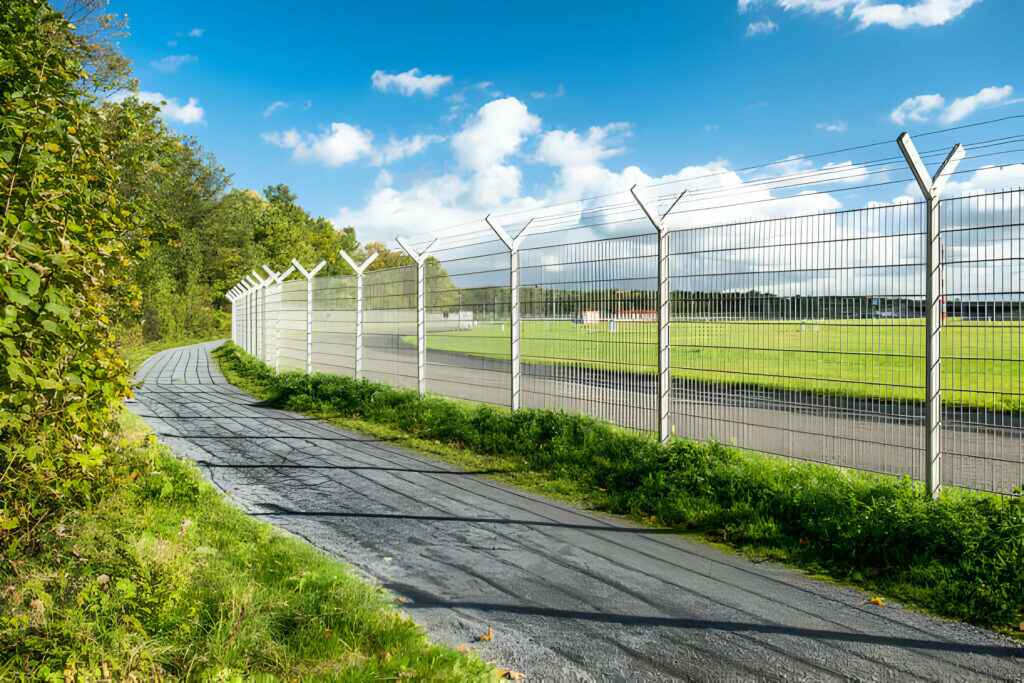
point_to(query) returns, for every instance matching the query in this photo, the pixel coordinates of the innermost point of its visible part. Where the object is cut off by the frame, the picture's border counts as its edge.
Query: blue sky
(518, 106)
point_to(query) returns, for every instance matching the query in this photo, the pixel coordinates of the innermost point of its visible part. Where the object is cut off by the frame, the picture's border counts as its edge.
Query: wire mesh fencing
(888, 339)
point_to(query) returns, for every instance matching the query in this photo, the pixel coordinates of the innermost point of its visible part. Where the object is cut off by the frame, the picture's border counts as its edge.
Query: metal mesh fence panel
(389, 327)
(467, 324)
(981, 348)
(334, 325)
(803, 337)
(292, 325)
(588, 341)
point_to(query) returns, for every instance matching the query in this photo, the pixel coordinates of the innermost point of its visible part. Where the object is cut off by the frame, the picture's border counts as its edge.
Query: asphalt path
(570, 595)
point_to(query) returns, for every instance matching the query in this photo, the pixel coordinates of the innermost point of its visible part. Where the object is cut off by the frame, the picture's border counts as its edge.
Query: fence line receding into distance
(888, 338)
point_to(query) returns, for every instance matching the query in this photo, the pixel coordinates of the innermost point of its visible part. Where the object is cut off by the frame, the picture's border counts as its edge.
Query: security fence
(888, 339)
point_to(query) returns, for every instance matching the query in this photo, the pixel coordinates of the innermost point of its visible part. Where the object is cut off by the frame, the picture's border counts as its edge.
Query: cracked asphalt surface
(571, 595)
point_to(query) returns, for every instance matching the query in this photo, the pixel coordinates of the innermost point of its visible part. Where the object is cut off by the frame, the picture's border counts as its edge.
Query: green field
(870, 358)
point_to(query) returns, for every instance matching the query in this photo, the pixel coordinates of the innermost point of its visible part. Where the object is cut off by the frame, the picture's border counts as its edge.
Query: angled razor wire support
(261, 315)
(309, 275)
(421, 316)
(359, 270)
(278, 279)
(664, 313)
(513, 283)
(931, 187)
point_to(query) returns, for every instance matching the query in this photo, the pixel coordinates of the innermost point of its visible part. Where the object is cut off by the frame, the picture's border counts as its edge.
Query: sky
(406, 119)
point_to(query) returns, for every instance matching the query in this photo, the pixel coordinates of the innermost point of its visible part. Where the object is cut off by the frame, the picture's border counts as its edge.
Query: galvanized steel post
(278, 279)
(421, 343)
(309, 274)
(359, 269)
(664, 313)
(261, 315)
(513, 283)
(250, 332)
(931, 188)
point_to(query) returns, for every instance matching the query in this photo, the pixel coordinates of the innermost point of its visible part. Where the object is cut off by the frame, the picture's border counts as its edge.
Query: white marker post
(513, 282)
(230, 296)
(931, 188)
(421, 316)
(309, 275)
(359, 270)
(664, 313)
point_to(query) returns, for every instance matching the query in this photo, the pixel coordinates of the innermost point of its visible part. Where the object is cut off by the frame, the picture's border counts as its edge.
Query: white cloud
(962, 107)
(568, 148)
(925, 13)
(758, 28)
(172, 63)
(867, 13)
(196, 33)
(400, 148)
(541, 94)
(409, 82)
(833, 127)
(170, 109)
(341, 144)
(344, 143)
(273, 107)
(495, 132)
(921, 108)
(918, 108)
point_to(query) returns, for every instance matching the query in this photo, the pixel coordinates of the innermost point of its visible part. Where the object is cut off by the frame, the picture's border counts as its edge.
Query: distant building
(588, 318)
(641, 314)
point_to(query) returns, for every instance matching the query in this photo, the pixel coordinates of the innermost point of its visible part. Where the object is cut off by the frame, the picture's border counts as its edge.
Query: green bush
(962, 555)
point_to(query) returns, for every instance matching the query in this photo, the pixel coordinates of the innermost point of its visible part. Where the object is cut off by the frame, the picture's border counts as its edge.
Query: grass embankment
(162, 577)
(862, 358)
(961, 556)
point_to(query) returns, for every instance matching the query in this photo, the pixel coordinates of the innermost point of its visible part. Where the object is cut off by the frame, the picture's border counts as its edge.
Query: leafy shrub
(962, 555)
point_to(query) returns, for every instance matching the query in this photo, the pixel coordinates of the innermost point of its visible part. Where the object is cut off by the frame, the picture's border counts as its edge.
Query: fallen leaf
(487, 637)
(463, 648)
(510, 675)
(877, 600)
(1022, 626)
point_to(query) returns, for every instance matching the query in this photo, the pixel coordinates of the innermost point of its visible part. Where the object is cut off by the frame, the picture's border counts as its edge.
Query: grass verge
(961, 556)
(162, 577)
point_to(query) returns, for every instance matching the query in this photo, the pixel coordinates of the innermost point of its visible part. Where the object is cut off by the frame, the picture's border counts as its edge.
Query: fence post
(513, 283)
(664, 313)
(230, 296)
(421, 315)
(931, 188)
(261, 316)
(359, 270)
(309, 274)
(250, 315)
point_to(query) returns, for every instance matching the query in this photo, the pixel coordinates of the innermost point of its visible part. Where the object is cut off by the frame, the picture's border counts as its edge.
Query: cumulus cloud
(409, 82)
(196, 33)
(273, 107)
(833, 127)
(170, 108)
(172, 63)
(921, 107)
(962, 107)
(400, 148)
(343, 143)
(867, 13)
(918, 108)
(568, 148)
(758, 28)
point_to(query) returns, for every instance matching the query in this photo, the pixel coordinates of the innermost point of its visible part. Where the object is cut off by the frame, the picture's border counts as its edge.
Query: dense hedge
(64, 236)
(962, 555)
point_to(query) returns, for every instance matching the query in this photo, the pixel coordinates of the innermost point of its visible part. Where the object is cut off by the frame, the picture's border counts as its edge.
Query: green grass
(961, 556)
(869, 358)
(163, 578)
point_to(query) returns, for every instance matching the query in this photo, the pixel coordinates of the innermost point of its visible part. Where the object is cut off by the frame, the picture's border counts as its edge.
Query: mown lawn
(163, 579)
(869, 358)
